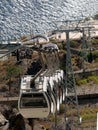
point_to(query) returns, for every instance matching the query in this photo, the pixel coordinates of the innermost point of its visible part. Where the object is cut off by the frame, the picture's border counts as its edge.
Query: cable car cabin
(26, 82)
(43, 84)
(52, 98)
(34, 104)
(60, 87)
(60, 83)
(54, 89)
(39, 82)
(53, 110)
(60, 74)
(55, 93)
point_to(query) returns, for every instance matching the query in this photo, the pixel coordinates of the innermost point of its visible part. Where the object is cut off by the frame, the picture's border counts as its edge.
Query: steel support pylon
(84, 51)
(72, 115)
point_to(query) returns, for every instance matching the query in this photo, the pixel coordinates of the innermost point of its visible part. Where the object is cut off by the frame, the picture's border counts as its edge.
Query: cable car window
(33, 101)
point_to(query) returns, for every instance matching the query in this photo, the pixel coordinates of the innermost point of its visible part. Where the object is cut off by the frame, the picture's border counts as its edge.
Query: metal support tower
(90, 59)
(89, 38)
(85, 45)
(71, 100)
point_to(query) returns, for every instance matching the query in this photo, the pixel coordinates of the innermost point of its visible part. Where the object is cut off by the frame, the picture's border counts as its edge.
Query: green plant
(11, 72)
(94, 41)
(92, 78)
(74, 44)
(87, 19)
(95, 54)
(88, 116)
(87, 80)
(81, 82)
(96, 16)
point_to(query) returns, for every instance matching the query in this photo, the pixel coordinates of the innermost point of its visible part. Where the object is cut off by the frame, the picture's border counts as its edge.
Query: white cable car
(54, 102)
(56, 91)
(60, 86)
(25, 82)
(45, 86)
(53, 98)
(54, 88)
(29, 102)
(49, 93)
(34, 104)
(63, 83)
(59, 89)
